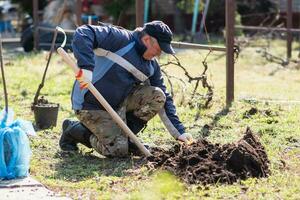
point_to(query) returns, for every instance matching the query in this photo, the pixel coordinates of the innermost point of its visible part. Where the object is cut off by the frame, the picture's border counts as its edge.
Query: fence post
(289, 23)
(230, 10)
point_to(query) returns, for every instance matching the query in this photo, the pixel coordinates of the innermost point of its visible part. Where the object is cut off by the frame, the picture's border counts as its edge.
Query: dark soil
(204, 162)
(42, 102)
(250, 112)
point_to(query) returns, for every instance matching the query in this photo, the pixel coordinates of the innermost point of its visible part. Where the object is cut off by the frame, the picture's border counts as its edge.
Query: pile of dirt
(204, 162)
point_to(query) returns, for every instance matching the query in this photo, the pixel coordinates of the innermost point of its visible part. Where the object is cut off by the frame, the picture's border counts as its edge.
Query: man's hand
(186, 137)
(84, 77)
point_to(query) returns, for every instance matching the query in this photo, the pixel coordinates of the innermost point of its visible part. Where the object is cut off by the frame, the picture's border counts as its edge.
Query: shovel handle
(104, 103)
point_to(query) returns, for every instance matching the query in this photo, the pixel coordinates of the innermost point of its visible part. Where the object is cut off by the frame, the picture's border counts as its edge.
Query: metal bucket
(45, 115)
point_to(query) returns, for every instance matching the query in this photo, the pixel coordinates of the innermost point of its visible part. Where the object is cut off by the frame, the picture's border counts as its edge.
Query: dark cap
(162, 33)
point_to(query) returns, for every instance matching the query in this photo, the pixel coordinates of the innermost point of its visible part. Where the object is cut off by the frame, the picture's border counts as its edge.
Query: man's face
(153, 48)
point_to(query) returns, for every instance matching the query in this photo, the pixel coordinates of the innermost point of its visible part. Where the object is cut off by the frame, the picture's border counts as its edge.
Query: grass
(86, 175)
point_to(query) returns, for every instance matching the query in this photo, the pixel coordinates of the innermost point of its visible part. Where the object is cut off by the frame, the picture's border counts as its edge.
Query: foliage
(116, 7)
(216, 12)
(255, 12)
(188, 5)
(249, 6)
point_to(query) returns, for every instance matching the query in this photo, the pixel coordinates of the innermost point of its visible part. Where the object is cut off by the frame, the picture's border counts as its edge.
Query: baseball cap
(162, 33)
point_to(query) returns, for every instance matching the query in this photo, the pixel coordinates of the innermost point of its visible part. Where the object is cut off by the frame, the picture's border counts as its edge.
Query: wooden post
(35, 24)
(139, 13)
(230, 10)
(78, 12)
(289, 23)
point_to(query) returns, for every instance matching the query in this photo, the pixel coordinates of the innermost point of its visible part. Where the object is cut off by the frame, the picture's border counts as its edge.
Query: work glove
(186, 138)
(84, 77)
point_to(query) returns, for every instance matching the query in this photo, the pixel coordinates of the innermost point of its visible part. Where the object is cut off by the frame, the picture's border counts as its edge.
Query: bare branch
(195, 97)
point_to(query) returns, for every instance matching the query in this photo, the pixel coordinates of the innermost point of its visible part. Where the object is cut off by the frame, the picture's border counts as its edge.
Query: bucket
(45, 115)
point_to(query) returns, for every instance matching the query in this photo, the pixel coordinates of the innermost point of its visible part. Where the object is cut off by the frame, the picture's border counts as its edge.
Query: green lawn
(86, 175)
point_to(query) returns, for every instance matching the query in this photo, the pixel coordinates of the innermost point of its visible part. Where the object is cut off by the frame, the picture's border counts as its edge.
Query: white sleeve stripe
(168, 124)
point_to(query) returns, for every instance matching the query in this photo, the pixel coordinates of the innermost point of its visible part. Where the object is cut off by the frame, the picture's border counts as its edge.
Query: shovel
(103, 102)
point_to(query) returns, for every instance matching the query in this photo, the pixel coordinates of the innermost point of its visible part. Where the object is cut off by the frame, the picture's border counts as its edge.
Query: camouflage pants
(107, 139)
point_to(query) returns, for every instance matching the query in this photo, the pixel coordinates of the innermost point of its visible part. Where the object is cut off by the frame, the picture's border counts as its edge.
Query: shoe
(74, 132)
(66, 142)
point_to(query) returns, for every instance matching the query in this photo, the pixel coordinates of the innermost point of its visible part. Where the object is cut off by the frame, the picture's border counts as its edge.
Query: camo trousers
(107, 138)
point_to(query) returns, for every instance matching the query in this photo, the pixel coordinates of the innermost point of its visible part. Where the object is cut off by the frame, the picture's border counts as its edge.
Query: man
(121, 65)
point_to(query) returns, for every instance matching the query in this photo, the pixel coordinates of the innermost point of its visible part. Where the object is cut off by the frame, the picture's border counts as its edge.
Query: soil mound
(204, 162)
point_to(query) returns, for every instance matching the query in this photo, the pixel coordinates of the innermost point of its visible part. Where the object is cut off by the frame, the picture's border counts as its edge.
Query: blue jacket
(111, 80)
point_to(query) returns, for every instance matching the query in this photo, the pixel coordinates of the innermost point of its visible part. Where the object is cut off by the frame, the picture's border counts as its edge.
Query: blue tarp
(14, 146)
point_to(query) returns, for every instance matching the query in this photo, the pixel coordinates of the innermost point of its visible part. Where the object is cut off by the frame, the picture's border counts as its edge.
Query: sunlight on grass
(161, 185)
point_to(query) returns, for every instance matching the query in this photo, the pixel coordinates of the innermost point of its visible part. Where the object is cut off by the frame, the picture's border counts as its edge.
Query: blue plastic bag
(14, 146)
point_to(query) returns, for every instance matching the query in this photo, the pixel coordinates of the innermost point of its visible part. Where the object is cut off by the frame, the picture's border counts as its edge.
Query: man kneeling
(121, 64)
